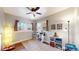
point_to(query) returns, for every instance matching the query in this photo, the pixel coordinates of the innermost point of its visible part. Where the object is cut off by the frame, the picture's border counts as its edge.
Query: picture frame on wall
(53, 27)
(59, 26)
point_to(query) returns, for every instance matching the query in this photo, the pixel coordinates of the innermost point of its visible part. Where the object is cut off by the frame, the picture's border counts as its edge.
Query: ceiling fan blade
(37, 8)
(28, 8)
(38, 13)
(28, 13)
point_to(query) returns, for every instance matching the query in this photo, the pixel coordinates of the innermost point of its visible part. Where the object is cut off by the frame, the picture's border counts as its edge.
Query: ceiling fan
(33, 10)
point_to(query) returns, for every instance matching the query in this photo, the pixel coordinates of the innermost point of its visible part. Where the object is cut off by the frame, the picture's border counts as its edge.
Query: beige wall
(2, 21)
(19, 35)
(77, 28)
(11, 19)
(62, 17)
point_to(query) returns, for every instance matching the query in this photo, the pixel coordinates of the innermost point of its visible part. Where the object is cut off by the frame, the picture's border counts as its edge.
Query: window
(22, 25)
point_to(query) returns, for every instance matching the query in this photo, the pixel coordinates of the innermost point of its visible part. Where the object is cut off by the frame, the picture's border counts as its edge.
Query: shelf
(58, 43)
(52, 41)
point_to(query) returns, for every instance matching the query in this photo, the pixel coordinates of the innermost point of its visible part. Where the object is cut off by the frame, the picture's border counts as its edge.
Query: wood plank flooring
(34, 45)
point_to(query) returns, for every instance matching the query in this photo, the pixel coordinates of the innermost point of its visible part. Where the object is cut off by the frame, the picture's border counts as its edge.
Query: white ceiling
(21, 11)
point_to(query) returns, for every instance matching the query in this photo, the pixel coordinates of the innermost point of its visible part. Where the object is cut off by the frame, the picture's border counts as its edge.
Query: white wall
(62, 17)
(2, 21)
(18, 35)
(77, 28)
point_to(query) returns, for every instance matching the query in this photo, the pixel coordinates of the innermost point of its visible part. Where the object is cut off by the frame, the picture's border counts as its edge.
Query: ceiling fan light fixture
(34, 10)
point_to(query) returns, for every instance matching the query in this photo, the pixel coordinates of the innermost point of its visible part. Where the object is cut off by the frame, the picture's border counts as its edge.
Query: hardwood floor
(19, 47)
(34, 45)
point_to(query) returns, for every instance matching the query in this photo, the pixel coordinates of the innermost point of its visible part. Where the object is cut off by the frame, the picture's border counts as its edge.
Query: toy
(70, 47)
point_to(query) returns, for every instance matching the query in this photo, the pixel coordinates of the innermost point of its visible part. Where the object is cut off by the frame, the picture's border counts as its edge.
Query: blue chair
(71, 47)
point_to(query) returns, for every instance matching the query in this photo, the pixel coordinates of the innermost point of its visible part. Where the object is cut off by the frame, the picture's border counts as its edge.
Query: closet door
(47, 25)
(16, 25)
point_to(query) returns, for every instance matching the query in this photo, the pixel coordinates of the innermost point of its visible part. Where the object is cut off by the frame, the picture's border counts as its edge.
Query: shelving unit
(56, 42)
